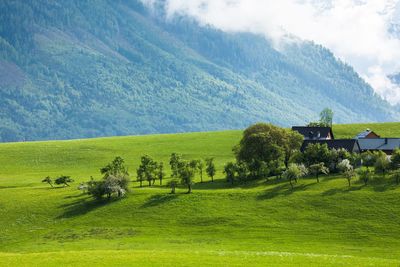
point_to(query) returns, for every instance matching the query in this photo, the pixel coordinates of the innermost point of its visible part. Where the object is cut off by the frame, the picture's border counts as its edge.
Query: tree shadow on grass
(283, 189)
(159, 199)
(83, 206)
(335, 191)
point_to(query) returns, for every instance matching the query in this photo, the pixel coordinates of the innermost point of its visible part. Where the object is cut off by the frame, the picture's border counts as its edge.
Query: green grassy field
(258, 223)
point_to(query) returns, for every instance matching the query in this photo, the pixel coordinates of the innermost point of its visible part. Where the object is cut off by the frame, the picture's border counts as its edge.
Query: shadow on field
(159, 199)
(335, 191)
(283, 189)
(82, 206)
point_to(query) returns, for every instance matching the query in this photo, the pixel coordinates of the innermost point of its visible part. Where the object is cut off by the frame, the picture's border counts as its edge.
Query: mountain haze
(73, 69)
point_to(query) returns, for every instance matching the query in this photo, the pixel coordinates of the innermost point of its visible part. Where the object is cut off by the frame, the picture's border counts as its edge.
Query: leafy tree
(63, 180)
(174, 163)
(368, 159)
(292, 144)
(365, 175)
(160, 172)
(318, 169)
(336, 156)
(110, 185)
(200, 167)
(261, 143)
(186, 174)
(230, 171)
(294, 172)
(147, 170)
(347, 169)
(316, 153)
(210, 168)
(326, 117)
(349, 175)
(173, 184)
(395, 159)
(116, 167)
(382, 164)
(48, 180)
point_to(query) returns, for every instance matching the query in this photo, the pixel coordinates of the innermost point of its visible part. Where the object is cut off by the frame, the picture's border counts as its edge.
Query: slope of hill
(73, 69)
(259, 223)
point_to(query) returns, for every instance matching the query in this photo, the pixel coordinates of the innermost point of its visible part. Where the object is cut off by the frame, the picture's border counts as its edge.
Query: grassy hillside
(260, 223)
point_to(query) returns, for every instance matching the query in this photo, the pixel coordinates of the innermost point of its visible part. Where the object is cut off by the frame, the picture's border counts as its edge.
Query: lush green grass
(259, 223)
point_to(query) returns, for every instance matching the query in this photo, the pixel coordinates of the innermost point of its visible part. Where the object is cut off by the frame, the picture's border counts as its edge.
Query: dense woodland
(71, 69)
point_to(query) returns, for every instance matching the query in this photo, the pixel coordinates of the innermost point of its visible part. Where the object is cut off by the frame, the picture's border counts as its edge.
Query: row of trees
(61, 180)
(115, 181)
(182, 171)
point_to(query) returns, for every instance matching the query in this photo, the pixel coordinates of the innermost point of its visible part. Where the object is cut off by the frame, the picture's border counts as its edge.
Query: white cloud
(355, 30)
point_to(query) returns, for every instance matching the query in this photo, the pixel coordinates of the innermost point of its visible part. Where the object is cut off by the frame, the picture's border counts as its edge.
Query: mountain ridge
(83, 70)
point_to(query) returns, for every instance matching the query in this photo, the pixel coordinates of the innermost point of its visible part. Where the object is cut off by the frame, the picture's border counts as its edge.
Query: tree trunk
(149, 183)
(160, 181)
(317, 178)
(52, 186)
(173, 189)
(348, 180)
(141, 183)
(109, 196)
(291, 184)
(189, 188)
(212, 178)
(201, 177)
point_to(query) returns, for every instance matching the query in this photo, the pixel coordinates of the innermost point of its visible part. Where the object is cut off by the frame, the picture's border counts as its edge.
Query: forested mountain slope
(72, 69)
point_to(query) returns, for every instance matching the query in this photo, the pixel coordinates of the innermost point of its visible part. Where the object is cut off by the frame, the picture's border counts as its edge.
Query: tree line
(264, 151)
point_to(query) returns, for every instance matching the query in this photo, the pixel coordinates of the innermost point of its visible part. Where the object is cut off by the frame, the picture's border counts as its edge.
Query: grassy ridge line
(186, 258)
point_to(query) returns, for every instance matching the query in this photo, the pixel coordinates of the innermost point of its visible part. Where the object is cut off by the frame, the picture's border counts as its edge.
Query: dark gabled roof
(350, 145)
(307, 131)
(387, 144)
(364, 134)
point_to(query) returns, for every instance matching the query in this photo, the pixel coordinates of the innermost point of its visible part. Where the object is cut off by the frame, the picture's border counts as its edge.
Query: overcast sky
(357, 31)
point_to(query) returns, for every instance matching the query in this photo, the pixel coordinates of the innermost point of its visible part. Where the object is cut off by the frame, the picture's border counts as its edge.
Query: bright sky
(357, 31)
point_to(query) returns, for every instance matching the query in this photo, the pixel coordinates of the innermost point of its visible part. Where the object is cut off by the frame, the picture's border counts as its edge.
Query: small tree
(347, 169)
(173, 184)
(229, 171)
(395, 159)
(160, 172)
(174, 163)
(368, 159)
(316, 153)
(200, 167)
(48, 180)
(382, 164)
(326, 117)
(365, 175)
(210, 169)
(186, 174)
(293, 173)
(147, 170)
(63, 180)
(116, 167)
(318, 169)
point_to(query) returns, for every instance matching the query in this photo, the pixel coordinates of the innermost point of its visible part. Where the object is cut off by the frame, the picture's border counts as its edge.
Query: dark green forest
(88, 68)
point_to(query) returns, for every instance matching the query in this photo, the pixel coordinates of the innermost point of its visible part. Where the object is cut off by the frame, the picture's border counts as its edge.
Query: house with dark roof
(351, 145)
(367, 134)
(314, 133)
(387, 145)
